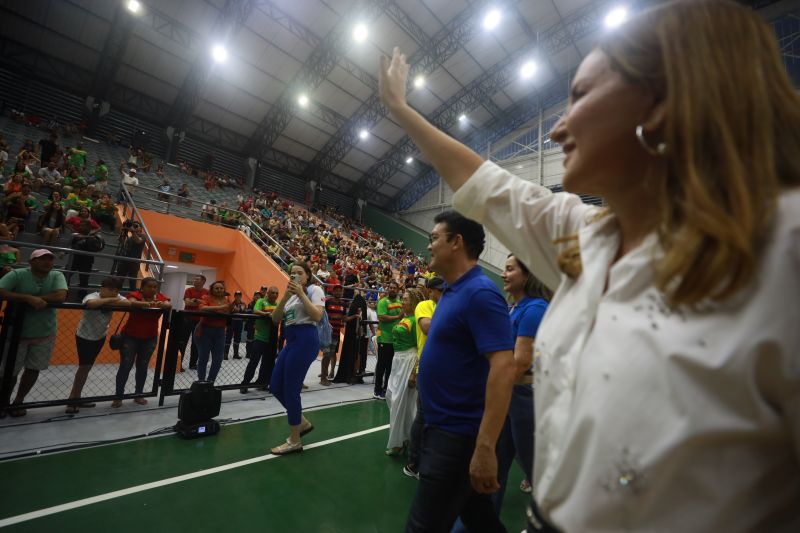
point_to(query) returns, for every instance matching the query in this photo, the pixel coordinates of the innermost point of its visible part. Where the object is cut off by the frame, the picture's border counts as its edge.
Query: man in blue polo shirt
(466, 376)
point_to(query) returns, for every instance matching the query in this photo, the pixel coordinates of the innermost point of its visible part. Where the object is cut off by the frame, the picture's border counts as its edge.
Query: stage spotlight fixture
(528, 70)
(134, 6)
(360, 33)
(363, 134)
(197, 408)
(616, 17)
(492, 19)
(302, 100)
(219, 53)
(419, 81)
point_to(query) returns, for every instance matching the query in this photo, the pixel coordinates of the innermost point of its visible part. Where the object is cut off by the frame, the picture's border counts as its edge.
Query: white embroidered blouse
(650, 418)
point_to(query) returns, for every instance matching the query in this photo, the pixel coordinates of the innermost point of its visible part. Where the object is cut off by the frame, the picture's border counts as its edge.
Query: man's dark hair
(112, 283)
(471, 232)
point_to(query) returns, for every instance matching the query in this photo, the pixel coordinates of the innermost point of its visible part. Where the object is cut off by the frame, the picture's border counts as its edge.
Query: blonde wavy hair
(733, 130)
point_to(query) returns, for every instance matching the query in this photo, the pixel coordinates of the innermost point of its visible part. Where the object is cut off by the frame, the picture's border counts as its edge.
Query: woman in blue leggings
(300, 309)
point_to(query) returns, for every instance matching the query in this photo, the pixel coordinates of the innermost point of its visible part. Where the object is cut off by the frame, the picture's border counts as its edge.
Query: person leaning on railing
(35, 287)
(139, 338)
(92, 332)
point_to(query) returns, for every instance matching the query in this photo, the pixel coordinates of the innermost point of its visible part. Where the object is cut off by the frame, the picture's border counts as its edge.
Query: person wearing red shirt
(335, 307)
(139, 337)
(192, 297)
(209, 335)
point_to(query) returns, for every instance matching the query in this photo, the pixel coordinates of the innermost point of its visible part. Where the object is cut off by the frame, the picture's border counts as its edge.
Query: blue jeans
(136, 351)
(211, 340)
(444, 491)
(516, 439)
(302, 348)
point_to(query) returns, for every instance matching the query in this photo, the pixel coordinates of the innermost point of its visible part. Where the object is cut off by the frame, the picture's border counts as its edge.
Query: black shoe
(237, 356)
(243, 390)
(192, 367)
(225, 358)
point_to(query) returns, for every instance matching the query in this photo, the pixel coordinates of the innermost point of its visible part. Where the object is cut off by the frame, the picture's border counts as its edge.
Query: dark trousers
(233, 332)
(188, 329)
(134, 351)
(129, 269)
(83, 264)
(384, 366)
(260, 353)
(444, 491)
(415, 439)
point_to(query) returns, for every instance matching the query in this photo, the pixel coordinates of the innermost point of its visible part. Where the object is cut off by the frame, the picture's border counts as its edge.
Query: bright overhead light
(419, 81)
(528, 70)
(360, 33)
(409, 160)
(492, 19)
(363, 134)
(462, 118)
(616, 17)
(171, 266)
(133, 6)
(302, 100)
(219, 53)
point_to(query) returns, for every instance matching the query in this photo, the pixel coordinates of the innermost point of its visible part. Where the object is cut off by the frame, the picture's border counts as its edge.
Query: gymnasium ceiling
(159, 60)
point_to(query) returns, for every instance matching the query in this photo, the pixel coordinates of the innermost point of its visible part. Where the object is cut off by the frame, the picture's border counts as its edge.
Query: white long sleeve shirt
(650, 418)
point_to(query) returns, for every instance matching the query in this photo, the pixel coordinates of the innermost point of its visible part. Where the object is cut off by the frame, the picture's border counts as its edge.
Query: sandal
(71, 409)
(116, 403)
(394, 452)
(87, 405)
(324, 382)
(287, 447)
(140, 401)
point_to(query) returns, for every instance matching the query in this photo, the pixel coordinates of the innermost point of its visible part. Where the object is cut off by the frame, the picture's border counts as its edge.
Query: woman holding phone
(300, 309)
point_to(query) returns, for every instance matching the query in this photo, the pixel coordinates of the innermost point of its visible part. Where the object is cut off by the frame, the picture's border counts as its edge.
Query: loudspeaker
(197, 408)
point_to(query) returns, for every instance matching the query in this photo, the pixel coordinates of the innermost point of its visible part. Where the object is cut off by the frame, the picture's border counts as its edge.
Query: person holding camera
(300, 309)
(131, 245)
(209, 335)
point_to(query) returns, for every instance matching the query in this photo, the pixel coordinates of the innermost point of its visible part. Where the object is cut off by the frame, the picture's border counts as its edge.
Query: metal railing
(152, 256)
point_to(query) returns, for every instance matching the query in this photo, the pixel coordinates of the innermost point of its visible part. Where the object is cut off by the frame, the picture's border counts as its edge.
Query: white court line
(169, 481)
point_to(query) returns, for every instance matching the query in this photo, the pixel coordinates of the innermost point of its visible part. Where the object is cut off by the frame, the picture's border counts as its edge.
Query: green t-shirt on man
(42, 322)
(390, 308)
(263, 325)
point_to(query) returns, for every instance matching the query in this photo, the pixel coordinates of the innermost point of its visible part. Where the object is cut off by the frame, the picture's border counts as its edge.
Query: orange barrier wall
(242, 264)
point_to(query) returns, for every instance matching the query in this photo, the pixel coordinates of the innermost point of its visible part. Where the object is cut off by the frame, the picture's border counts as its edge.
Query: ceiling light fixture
(360, 33)
(419, 81)
(616, 17)
(219, 53)
(409, 160)
(363, 134)
(492, 19)
(133, 6)
(528, 70)
(462, 118)
(302, 100)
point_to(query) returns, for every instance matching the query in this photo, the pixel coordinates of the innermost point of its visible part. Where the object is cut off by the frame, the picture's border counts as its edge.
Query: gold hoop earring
(660, 150)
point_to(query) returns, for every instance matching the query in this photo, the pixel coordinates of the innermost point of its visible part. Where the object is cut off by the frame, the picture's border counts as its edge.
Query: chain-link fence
(65, 368)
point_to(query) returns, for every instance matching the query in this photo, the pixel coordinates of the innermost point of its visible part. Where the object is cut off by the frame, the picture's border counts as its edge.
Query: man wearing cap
(423, 314)
(128, 178)
(36, 287)
(335, 307)
(234, 330)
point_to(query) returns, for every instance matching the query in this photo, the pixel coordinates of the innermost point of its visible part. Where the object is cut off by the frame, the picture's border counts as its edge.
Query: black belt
(537, 524)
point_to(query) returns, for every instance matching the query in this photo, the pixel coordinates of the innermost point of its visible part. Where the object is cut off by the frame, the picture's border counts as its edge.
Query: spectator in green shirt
(34, 287)
(401, 396)
(264, 347)
(77, 157)
(390, 311)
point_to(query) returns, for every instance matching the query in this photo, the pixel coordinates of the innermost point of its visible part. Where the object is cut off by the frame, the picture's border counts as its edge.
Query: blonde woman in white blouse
(667, 368)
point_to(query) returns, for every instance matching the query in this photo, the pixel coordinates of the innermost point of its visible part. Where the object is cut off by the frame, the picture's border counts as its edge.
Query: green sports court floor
(342, 482)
